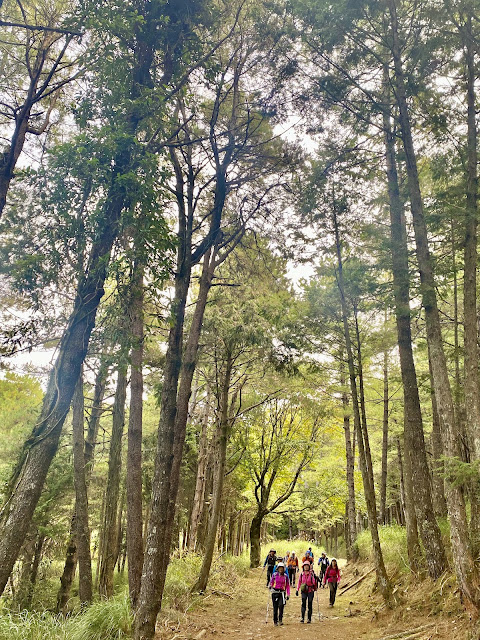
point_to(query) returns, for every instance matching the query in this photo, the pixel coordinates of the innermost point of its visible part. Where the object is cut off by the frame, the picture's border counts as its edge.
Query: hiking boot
(275, 623)
(302, 620)
(309, 621)
(281, 623)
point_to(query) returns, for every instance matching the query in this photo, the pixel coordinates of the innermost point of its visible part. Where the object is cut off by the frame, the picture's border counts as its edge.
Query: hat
(272, 551)
(280, 564)
(306, 564)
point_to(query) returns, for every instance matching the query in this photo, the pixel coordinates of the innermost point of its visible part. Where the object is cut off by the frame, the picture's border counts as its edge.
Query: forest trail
(242, 617)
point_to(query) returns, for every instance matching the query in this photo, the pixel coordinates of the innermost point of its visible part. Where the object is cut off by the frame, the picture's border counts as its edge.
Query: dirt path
(242, 617)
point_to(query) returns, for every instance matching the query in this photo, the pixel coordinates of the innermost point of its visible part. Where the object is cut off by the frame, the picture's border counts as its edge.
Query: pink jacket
(281, 583)
(332, 575)
(309, 579)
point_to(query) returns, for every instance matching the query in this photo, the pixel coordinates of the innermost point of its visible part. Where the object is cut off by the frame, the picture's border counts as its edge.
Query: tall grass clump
(393, 540)
(29, 625)
(103, 620)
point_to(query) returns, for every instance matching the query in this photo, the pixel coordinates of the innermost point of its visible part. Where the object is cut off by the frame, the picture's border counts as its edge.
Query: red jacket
(280, 583)
(309, 579)
(332, 575)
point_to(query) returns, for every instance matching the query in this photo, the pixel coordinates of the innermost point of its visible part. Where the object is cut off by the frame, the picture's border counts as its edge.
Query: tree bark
(414, 550)
(134, 451)
(438, 466)
(108, 544)
(464, 565)
(382, 578)
(472, 383)
(383, 484)
(471, 350)
(417, 481)
(200, 482)
(66, 579)
(221, 437)
(81, 499)
(255, 549)
(352, 552)
(31, 557)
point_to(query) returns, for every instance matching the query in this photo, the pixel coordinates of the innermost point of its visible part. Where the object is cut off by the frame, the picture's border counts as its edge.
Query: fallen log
(356, 582)
(410, 633)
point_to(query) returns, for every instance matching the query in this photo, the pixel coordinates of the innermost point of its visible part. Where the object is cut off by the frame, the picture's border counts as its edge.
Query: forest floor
(357, 614)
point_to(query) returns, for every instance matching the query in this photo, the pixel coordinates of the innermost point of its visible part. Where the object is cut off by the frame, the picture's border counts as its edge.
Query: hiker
(308, 556)
(286, 558)
(270, 562)
(323, 563)
(332, 578)
(307, 584)
(280, 588)
(292, 567)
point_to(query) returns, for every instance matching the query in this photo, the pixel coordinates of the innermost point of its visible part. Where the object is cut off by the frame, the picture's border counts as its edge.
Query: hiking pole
(268, 606)
(318, 607)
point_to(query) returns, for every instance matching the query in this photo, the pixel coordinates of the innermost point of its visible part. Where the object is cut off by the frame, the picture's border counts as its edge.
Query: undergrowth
(393, 540)
(112, 619)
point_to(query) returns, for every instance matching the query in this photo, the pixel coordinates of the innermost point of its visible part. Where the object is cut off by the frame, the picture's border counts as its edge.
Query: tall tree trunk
(456, 341)
(42, 445)
(201, 480)
(81, 499)
(352, 551)
(363, 407)
(255, 547)
(401, 480)
(160, 523)
(134, 451)
(108, 544)
(438, 465)
(465, 569)
(66, 580)
(382, 578)
(417, 481)
(472, 382)
(32, 555)
(383, 483)
(120, 525)
(414, 550)
(169, 452)
(221, 438)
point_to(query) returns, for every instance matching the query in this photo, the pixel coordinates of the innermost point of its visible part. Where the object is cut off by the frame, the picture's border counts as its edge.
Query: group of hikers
(282, 574)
